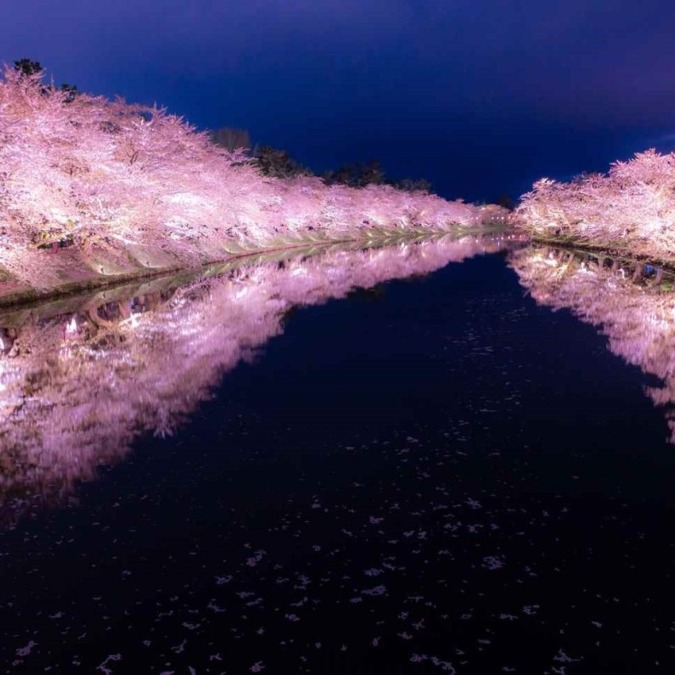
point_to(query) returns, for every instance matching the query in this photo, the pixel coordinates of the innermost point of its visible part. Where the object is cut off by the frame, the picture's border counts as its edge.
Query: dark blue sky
(480, 96)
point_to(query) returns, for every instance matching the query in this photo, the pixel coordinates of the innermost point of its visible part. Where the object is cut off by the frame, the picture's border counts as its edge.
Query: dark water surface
(433, 475)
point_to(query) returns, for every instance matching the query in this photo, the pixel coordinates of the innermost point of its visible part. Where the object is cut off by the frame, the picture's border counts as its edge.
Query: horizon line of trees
(278, 163)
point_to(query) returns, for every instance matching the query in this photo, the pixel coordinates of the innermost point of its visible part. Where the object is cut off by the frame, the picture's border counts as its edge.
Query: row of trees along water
(632, 207)
(124, 186)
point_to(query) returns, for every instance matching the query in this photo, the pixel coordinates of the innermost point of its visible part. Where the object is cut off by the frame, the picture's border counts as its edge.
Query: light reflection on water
(80, 378)
(448, 479)
(629, 302)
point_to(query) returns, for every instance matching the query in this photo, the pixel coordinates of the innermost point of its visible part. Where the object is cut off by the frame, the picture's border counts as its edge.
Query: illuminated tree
(633, 206)
(95, 187)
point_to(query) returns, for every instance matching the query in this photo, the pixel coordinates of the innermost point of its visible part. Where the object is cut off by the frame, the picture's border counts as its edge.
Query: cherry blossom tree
(631, 207)
(90, 186)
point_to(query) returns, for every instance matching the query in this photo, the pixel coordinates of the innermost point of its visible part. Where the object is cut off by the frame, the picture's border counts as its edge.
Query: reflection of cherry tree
(108, 187)
(76, 388)
(636, 315)
(633, 206)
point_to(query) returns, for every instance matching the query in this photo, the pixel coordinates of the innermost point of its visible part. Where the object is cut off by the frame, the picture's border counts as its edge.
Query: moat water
(440, 457)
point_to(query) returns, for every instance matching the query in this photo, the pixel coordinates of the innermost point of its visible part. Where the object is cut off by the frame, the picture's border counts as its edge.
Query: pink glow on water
(637, 315)
(77, 388)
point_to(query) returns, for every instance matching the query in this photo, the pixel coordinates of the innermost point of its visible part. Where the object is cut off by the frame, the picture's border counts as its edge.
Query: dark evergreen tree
(28, 67)
(278, 163)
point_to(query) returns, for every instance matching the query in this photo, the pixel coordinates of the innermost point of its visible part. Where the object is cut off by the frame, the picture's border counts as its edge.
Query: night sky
(479, 96)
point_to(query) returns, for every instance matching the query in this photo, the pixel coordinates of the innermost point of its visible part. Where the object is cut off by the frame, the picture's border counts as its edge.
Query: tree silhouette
(28, 67)
(278, 163)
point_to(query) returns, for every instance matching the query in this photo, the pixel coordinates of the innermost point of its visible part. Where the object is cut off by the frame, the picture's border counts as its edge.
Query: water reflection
(79, 379)
(630, 302)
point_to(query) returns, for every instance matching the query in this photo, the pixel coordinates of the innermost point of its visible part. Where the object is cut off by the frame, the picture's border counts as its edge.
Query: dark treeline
(274, 162)
(279, 164)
